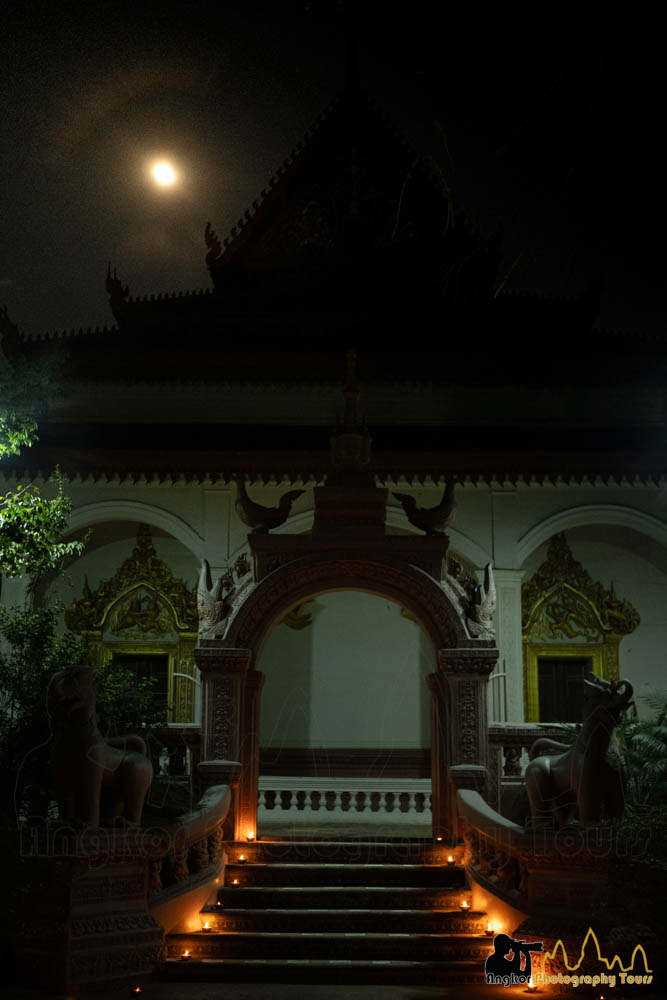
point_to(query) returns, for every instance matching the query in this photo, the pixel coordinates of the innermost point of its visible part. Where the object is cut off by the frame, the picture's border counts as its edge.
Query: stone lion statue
(95, 778)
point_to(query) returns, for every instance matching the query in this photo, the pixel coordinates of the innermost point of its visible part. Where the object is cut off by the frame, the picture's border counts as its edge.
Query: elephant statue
(588, 777)
(93, 776)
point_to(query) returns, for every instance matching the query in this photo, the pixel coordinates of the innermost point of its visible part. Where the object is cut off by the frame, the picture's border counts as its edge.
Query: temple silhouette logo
(511, 964)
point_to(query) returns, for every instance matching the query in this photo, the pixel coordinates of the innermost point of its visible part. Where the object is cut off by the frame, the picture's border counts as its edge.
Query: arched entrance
(407, 570)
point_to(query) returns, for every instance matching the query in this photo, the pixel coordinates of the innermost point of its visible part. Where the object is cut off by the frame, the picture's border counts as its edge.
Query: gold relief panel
(565, 613)
(144, 609)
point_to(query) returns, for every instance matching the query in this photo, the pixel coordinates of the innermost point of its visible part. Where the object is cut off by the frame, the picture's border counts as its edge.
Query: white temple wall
(619, 533)
(354, 677)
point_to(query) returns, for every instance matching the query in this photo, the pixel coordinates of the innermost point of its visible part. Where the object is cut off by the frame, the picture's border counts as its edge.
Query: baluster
(215, 843)
(261, 799)
(315, 800)
(199, 856)
(179, 864)
(389, 802)
(330, 799)
(406, 802)
(512, 766)
(155, 877)
(286, 799)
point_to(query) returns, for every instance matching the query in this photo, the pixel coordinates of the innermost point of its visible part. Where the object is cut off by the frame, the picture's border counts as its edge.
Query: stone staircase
(322, 911)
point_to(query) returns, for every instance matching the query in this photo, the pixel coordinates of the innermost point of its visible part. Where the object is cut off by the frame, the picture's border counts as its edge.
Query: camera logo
(502, 970)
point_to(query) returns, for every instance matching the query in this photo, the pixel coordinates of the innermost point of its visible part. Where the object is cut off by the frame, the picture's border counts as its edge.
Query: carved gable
(561, 601)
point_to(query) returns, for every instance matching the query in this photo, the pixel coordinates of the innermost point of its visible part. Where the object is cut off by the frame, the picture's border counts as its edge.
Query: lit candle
(207, 928)
(185, 957)
(531, 988)
(242, 859)
(465, 904)
(489, 928)
(438, 839)
(136, 990)
(251, 836)
(235, 881)
(218, 904)
(450, 860)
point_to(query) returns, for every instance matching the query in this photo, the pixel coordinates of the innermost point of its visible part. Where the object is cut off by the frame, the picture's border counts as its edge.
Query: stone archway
(290, 569)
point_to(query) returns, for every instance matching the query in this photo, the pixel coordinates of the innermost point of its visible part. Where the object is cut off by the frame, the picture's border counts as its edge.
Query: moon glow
(164, 174)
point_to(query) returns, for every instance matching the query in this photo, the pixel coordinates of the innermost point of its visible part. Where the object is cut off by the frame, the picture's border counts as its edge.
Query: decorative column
(510, 640)
(459, 741)
(222, 670)
(442, 812)
(246, 815)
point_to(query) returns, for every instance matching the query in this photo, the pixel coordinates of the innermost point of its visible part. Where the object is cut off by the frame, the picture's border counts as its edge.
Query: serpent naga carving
(588, 778)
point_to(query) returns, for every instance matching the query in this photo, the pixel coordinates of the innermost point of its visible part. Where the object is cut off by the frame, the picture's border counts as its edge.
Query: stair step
(370, 919)
(361, 946)
(334, 972)
(319, 873)
(346, 851)
(337, 912)
(342, 897)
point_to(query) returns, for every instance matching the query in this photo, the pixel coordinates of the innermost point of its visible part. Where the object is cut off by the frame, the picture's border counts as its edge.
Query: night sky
(553, 128)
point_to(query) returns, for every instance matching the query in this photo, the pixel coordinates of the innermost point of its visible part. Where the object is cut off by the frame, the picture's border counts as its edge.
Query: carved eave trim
(148, 469)
(562, 573)
(142, 569)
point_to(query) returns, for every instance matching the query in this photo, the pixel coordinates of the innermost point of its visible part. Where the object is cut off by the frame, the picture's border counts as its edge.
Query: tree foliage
(31, 525)
(644, 744)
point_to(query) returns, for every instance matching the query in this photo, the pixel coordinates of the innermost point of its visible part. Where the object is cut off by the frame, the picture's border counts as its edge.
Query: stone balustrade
(345, 801)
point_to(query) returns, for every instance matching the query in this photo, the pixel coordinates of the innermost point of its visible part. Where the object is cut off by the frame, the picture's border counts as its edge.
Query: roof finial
(351, 443)
(351, 393)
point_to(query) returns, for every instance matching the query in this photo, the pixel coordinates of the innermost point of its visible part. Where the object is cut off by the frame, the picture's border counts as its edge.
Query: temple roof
(357, 241)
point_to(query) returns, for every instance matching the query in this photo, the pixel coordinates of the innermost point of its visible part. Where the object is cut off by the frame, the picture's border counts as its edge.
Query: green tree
(31, 647)
(31, 525)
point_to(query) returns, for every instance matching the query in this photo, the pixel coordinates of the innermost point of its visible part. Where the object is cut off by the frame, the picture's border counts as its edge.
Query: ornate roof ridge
(50, 335)
(221, 250)
(218, 249)
(547, 295)
(166, 296)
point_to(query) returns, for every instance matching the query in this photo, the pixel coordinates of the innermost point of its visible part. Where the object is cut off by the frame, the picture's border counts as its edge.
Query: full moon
(164, 173)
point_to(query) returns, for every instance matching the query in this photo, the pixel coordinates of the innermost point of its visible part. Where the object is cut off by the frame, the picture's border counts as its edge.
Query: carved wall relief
(562, 603)
(143, 609)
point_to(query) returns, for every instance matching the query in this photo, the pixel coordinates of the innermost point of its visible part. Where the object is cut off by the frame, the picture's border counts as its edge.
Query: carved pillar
(459, 690)
(222, 673)
(246, 815)
(509, 637)
(441, 757)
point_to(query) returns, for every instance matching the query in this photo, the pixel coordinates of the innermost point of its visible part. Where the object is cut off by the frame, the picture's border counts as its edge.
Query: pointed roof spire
(351, 442)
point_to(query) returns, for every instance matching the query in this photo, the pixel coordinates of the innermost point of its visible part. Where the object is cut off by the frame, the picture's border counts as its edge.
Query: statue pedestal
(88, 920)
